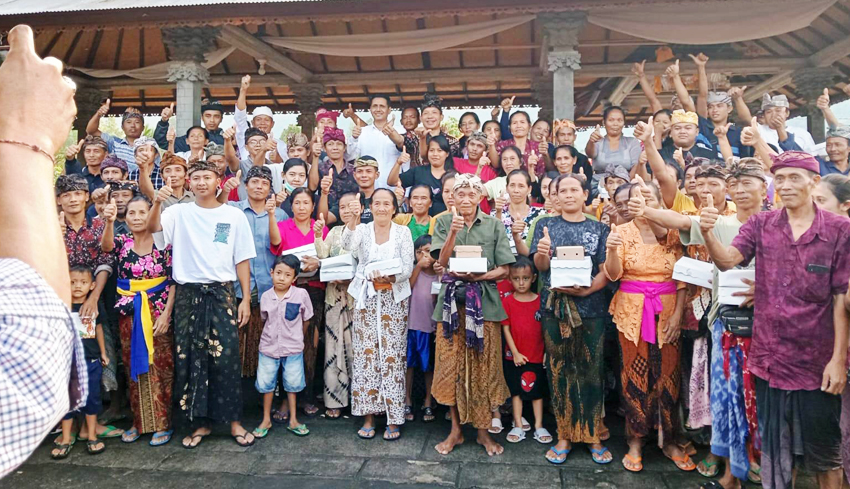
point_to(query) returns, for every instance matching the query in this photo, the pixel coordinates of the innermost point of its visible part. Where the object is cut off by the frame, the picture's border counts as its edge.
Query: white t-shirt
(373, 142)
(207, 243)
(801, 137)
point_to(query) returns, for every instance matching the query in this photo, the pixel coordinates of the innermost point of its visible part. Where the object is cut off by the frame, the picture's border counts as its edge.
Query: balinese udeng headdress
(432, 100)
(559, 124)
(468, 180)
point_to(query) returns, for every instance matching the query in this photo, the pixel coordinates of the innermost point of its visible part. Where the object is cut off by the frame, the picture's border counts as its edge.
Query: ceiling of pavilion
(476, 74)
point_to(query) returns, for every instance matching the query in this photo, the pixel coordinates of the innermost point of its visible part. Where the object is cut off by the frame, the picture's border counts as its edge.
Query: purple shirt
(283, 333)
(793, 333)
(422, 304)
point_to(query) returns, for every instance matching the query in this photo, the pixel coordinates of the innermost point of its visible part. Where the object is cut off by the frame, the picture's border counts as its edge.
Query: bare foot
(195, 438)
(489, 444)
(446, 446)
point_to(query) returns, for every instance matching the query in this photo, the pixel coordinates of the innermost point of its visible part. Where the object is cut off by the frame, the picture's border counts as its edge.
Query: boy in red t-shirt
(523, 363)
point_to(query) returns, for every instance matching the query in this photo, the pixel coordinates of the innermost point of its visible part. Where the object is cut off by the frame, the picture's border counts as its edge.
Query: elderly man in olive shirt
(468, 374)
(800, 333)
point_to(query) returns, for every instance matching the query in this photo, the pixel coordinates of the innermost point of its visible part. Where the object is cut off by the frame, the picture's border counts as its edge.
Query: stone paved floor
(332, 456)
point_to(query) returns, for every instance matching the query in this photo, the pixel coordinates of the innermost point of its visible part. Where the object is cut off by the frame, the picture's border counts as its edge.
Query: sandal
(58, 440)
(300, 430)
(754, 475)
(64, 451)
(542, 435)
(708, 469)
(310, 410)
(683, 463)
(91, 444)
(495, 426)
(333, 413)
(163, 436)
(244, 443)
(130, 435)
(392, 434)
(688, 448)
(366, 433)
(427, 414)
(598, 455)
(711, 485)
(192, 445)
(408, 413)
(448, 417)
(632, 464)
(280, 417)
(111, 432)
(516, 435)
(557, 460)
(525, 424)
(260, 432)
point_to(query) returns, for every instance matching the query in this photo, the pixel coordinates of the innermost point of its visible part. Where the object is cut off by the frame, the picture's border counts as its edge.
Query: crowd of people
(197, 261)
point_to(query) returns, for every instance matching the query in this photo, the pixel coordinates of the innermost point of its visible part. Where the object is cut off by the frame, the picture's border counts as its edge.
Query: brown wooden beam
(244, 41)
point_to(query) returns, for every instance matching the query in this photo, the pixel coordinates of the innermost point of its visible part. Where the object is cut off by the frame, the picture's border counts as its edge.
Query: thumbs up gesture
(721, 130)
(679, 157)
(167, 112)
(104, 109)
(399, 194)
(615, 239)
(271, 143)
(317, 148)
(544, 246)
(232, 183)
(596, 135)
(750, 135)
(700, 60)
(823, 100)
(672, 70)
(637, 202)
(72, 150)
(63, 226)
(483, 162)
(170, 135)
(356, 212)
(326, 183)
(349, 112)
(319, 226)
(271, 205)
(501, 202)
(533, 161)
(457, 221)
(246, 82)
(229, 133)
(507, 103)
(389, 127)
(110, 211)
(404, 157)
(708, 215)
(644, 130)
(165, 192)
(358, 129)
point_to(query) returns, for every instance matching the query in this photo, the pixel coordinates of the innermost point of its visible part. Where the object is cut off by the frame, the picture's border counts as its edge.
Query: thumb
(322, 216)
(546, 232)
(239, 176)
(172, 107)
(581, 170)
(512, 99)
(826, 92)
(112, 202)
(62, 215)
(108, 103)
(404, 149)
(350, 108)
(613, 228)
(677, 63)
(454, 211)
(709, 200)
(640, 180)
(651, 121)
(755, 122)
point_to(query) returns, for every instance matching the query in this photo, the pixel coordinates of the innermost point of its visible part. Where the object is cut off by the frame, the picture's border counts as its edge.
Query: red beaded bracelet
(33, 147)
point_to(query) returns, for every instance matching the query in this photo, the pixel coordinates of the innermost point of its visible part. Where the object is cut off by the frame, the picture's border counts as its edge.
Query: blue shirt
(122, 149)
(261, 266)
(828, 168)
(156, 176)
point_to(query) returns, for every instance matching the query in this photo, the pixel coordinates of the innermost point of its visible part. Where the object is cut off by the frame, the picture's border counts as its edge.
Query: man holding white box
(468, 375)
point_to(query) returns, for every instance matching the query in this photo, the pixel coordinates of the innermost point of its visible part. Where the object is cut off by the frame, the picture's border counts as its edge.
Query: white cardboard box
(386, 267)
(570, 273)
(693, 272)
(340, 267)
(468, 265)
(730, 282)
(436, 287)
(301, 252)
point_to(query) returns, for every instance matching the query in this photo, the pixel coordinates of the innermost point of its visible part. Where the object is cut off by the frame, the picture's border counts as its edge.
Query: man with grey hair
(777, 133)
(837, 152)
(146, 153)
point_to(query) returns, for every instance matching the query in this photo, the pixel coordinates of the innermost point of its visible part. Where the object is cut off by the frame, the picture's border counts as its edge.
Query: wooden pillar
(810, 84)
(561, 30)
(308, 98)
(187, 47)
(88, 101)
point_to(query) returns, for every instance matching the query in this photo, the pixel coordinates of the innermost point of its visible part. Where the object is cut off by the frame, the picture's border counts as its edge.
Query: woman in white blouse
(381, 291)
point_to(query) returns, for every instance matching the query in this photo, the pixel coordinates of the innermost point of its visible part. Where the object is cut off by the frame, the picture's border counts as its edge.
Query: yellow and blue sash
(141, 339)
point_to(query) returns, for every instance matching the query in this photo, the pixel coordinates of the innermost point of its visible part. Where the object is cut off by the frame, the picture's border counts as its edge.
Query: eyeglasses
(255, 142)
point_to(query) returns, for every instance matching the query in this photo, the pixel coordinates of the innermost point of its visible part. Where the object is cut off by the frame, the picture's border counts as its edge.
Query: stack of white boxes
(570, 268)
(468, 259)
(694, 272)
(340, 267)
(731, 282)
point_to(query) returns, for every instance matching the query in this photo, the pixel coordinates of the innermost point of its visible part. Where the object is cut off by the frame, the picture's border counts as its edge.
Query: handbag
(736, 320)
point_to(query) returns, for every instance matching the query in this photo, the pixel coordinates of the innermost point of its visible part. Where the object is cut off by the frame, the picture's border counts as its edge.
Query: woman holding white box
(573, 320)
(381, 289)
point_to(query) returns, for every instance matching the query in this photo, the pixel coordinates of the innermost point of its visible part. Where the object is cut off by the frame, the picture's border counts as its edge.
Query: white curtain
(711, 22)
(157, 71)
(398, 43)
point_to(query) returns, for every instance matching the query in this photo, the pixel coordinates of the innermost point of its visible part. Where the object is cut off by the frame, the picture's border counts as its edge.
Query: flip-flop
(389, 432)
(713, 469)
(427, 414)
(94, 451)
(260, 432)
(496, 426)
(300, 430)
(130, 435)
(57, 443)
(64, 451)
(636, 462)
(366, 433)
(244, 443)
(111, 432)
(164, 436)
(754, 475)
(190, 446)
(408, 413)
(597, 455)
(280, 417)
(559, 453)
(711, 485)
(328, 413)
(683, 463)
(540, 435)
(517, 434)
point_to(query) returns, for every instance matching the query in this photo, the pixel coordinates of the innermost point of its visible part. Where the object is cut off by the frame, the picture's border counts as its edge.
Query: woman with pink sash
(647, 310)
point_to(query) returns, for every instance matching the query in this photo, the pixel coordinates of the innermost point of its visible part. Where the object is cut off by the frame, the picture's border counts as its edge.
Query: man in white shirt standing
(262, 119)
(212, 246)
(380, 139)
(775, 132)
